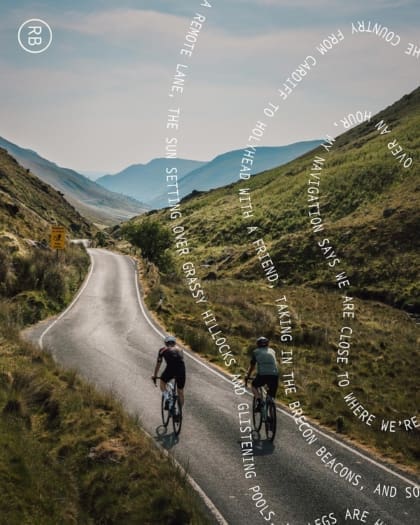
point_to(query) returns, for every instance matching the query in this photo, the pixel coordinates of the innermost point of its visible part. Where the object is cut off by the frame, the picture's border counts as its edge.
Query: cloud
(339, 5)
(101, 93)
(123, 23)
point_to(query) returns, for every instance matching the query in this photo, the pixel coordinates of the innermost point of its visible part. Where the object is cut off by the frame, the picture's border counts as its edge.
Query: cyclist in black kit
(175, 367)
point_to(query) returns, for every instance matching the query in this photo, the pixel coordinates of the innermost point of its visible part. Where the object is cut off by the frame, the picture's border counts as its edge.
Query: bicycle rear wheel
(256, 416)
(164, 412)
(177, 417)
(271, 420)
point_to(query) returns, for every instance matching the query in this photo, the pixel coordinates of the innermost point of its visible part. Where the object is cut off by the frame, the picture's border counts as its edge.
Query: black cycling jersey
(174, 357)
(175, 366)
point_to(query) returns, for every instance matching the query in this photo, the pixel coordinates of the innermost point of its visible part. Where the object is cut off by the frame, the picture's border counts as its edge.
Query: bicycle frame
(172, 394)
(174, 410)
(264, 398)
(266, 415)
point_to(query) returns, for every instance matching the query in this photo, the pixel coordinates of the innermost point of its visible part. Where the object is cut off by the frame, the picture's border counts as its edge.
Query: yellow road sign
(58, 238)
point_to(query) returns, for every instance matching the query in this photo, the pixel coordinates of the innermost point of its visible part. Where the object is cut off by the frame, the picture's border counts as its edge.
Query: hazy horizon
(97, 99)
(94, 175)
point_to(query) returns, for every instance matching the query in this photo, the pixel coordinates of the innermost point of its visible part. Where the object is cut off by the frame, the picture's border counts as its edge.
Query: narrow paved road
(106, 336)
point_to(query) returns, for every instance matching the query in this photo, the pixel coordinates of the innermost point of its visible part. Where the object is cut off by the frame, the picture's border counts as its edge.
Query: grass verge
(71, 455)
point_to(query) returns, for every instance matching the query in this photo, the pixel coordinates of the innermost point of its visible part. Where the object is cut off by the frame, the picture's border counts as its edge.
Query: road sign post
(57, 238)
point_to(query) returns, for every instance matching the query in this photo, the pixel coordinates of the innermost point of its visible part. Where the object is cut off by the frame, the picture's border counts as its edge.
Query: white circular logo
(35, 35)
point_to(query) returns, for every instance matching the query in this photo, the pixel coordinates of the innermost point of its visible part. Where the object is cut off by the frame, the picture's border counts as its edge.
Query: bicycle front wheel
(165, 413)
(271, 420)
(256, 416)
(177, 417)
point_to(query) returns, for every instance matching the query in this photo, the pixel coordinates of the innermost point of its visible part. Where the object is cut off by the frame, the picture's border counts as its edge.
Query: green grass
(38, 283)
(69, 454)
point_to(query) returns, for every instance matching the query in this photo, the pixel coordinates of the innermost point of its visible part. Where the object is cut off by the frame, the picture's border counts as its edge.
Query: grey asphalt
(106, 336)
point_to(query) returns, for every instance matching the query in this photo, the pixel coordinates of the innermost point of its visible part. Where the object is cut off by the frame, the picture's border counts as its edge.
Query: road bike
(266, 414)
(171, 407)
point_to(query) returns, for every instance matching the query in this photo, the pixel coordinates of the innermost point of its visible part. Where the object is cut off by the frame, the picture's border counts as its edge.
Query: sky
(97, 99)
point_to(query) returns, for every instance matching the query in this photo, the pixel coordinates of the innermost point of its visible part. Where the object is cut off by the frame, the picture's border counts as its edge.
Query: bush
(36, 284)
(7, 275)
(152, 238)
(54, 283)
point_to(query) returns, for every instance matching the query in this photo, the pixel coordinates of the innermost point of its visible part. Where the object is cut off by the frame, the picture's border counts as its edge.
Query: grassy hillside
(369, 203)
(370, 209)
(67, 453)
(28, 206)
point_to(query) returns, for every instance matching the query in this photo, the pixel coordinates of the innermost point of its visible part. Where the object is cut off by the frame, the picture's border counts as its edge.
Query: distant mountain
(92, 175)
(28, 206)
(224, 169)
(146, 181)
(89, 198)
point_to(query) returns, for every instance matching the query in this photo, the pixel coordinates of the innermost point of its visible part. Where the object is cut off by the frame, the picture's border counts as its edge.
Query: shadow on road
(263, 447)
(167, 440)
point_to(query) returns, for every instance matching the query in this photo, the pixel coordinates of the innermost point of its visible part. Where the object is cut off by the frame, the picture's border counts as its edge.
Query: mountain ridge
(144, 181)
(223, 169)
(147, 181)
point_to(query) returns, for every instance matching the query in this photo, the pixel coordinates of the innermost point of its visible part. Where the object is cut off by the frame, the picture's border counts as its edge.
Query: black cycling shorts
(271, 381)
(178, 374)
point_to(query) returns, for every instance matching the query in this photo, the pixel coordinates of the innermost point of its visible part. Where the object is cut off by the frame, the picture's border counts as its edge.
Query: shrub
(152, 238)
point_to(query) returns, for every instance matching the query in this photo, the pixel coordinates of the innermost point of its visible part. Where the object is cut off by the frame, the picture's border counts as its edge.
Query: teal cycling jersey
(265, 359)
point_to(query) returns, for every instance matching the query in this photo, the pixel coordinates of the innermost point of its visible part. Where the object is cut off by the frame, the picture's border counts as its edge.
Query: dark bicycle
(171, 408)
(266, 414)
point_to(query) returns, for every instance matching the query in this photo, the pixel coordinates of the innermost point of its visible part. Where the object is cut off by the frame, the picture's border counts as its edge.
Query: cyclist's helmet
(262, 341)
(170, 340)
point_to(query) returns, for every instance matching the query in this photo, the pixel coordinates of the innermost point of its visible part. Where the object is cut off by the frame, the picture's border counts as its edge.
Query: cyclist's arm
(158, 363)
(251, 366)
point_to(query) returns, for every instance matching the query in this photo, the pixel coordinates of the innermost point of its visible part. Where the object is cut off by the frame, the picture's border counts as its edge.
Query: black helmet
(170, 340)
(262, 341)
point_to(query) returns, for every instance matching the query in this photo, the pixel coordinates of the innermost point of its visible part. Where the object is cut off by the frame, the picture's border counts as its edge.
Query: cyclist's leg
(256, 383)
(181, 396)
(272, 383)
(180, 383)
(165, 376)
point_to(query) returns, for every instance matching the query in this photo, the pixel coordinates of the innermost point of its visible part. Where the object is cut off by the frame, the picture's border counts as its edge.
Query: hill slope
(369, 205)
(145, 181)
(90, 199)
(223, 169)
(28, 206)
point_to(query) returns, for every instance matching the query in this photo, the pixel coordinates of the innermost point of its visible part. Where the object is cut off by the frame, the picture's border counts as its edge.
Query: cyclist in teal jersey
(264, 358)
